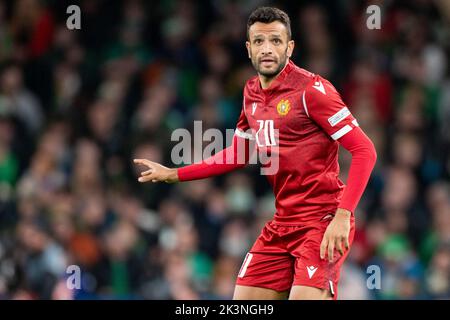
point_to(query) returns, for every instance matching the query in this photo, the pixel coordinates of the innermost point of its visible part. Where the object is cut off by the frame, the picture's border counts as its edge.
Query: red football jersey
(301, 116)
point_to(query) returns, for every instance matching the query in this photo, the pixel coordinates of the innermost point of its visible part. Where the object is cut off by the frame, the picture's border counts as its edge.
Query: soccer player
(299, 253)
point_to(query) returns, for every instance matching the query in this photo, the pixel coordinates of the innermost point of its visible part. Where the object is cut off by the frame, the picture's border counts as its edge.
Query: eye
(257, 41)
(276, 41)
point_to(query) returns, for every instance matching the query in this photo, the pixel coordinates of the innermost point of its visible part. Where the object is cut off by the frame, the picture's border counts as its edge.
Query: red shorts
(284, 256)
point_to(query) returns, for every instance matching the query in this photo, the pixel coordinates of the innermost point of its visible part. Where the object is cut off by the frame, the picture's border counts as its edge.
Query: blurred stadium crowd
(76, 106)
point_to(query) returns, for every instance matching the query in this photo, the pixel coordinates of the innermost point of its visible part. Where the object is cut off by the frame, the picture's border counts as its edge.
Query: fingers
(144, 162)
(148, 174)
(347, 244)
(329, 244)
(323, 247)
(330, 251)
(141, 161)
(144, 173)
(147, 178)
(339, 245)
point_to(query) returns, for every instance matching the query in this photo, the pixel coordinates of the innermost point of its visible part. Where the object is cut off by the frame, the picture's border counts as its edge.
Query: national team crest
(283, 107)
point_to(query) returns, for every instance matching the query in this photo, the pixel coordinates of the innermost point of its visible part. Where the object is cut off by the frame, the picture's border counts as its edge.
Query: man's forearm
(363, 160)
(227, 160)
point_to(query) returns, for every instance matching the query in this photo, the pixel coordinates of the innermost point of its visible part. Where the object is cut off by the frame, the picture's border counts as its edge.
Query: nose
(267, 48)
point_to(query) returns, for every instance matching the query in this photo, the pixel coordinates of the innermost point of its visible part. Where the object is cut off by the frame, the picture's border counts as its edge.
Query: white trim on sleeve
(304, 104)
(243, 134)
(341, 132)
(355, 123)
(243, 106)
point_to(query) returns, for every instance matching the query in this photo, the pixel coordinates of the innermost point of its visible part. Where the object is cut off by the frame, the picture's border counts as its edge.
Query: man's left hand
(336, 235)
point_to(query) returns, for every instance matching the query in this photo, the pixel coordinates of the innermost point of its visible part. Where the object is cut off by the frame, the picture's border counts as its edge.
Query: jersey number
(269, 133)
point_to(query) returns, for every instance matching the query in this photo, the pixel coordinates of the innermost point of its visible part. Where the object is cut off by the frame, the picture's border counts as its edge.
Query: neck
(266, 81)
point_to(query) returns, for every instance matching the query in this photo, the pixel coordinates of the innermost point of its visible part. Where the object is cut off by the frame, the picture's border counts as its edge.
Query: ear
(290, 48)
(247, 44)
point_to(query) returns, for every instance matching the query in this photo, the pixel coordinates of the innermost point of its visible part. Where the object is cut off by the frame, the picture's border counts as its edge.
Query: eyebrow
(270, 36)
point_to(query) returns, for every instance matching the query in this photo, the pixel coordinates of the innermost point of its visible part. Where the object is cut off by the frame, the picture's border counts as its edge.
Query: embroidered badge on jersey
(283, 107)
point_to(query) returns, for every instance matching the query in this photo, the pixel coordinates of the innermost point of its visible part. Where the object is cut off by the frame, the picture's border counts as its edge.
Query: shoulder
(299, 78)
(303, 73)
(320, 97)
(320, 88)
(251, 84)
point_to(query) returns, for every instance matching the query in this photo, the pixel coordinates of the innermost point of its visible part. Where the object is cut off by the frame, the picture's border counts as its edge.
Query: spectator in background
(32, 27)
(9, 166)
(44, 261)
(438, 283)
(18, 100)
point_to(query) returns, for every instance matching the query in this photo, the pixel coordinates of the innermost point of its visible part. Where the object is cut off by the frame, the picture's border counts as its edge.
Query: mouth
(267, 61)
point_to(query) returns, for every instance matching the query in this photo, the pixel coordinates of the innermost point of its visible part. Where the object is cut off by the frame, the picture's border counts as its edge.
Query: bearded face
(269, 48)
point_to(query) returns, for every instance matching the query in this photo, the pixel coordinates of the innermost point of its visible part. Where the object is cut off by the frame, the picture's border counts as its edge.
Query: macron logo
(254, 105)
(311, 271)
(318, 85)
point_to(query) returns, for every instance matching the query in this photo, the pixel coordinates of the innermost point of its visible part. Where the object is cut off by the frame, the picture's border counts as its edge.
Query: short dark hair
(268, 15)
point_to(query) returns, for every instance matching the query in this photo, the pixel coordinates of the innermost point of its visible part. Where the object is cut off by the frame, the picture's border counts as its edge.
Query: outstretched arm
(234, 157)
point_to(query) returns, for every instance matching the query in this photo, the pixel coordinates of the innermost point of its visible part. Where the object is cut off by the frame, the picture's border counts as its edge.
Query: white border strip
(243, 106)
(331, 287)
(341, 132)
(304, 104)
(247, 260)
(244, 135)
